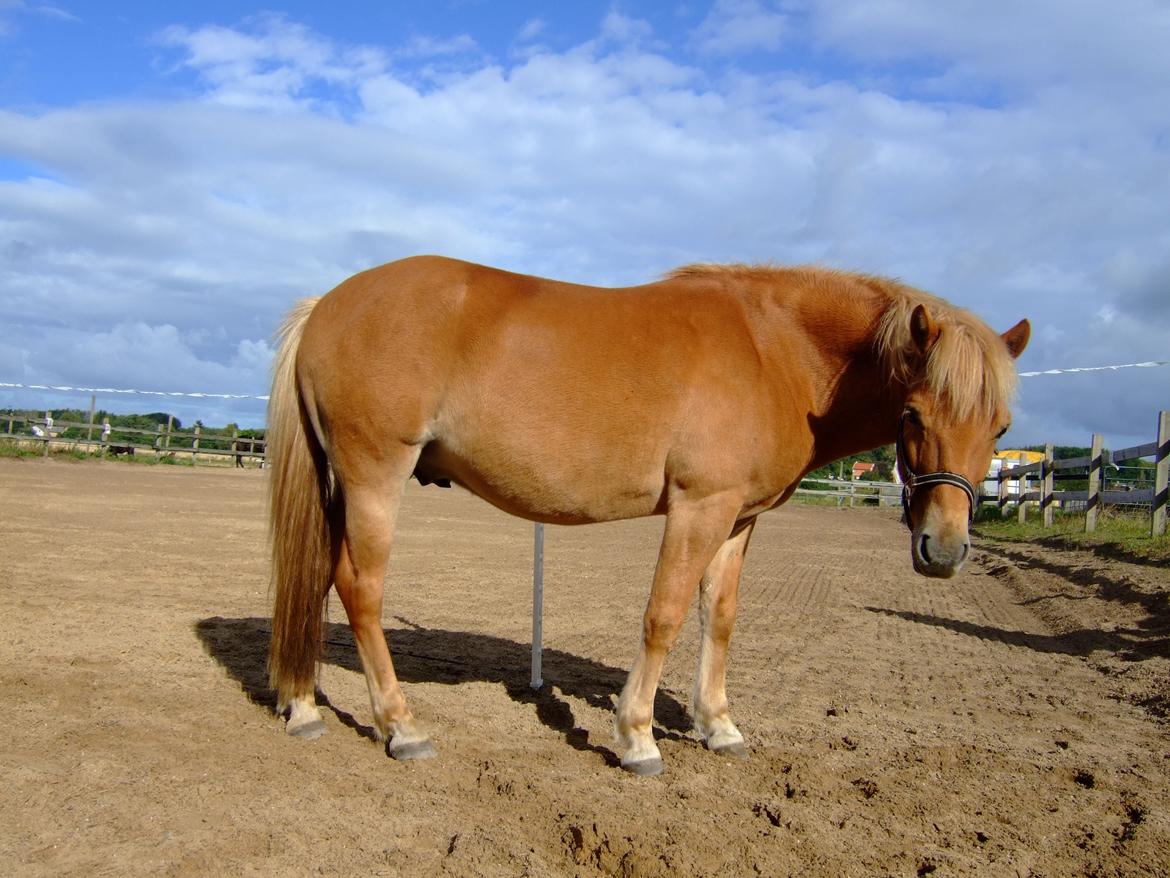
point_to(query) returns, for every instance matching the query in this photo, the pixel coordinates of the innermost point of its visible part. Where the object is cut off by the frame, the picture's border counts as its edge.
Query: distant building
(860, 469)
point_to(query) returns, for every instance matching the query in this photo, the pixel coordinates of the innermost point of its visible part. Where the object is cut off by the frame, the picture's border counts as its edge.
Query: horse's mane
(968, 370)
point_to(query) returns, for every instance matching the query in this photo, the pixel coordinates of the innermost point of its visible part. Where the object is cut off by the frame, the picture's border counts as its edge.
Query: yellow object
(1020, 457)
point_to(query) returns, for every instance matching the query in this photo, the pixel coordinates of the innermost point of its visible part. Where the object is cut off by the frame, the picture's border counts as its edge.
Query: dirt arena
(1011, 721)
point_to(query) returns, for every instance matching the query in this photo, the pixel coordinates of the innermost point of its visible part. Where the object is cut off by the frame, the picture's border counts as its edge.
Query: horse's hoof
(735, 750)
(307, 731)
(645, 767)
(411, 750)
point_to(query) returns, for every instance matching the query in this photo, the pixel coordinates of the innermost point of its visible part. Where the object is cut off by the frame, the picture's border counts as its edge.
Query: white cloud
(624, 29)
(532, 29)
(12, 10)
(735, 26)
(272, 65)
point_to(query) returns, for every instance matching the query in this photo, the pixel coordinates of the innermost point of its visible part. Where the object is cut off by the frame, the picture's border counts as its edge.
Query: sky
(173, 176)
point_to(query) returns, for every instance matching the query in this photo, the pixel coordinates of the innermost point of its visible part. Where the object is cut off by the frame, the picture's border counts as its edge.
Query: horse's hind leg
(370, 511)
(694, 532)
(304, 717)
(717, 601)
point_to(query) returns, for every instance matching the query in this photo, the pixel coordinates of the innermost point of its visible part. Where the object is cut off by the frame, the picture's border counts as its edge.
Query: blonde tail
(298, 503)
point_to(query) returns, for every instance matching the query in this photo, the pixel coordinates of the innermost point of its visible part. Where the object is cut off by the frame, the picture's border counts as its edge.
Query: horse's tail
(298, 506)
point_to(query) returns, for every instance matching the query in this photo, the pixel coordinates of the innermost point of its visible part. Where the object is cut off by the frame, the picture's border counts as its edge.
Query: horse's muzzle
(939, 556)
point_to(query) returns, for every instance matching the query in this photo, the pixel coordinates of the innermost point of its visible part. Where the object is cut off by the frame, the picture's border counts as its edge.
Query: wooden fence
(1091, 468)
(853, 493)
(1034, 484)
(1035, 481)
(164, 441)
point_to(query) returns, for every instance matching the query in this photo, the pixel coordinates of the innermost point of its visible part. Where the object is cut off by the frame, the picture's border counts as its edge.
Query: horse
(703, 397)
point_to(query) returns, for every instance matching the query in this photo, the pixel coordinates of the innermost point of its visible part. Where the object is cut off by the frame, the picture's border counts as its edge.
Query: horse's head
(954, 412)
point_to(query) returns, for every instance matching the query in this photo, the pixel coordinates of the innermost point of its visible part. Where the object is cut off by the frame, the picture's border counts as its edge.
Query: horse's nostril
(966, 552)
(924, 550)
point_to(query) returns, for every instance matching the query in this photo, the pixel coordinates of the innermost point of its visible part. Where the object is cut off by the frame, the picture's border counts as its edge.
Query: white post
(537, 602)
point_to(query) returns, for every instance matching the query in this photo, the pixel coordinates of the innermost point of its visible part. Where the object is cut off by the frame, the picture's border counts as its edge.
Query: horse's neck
(860, 415)
(853, 404)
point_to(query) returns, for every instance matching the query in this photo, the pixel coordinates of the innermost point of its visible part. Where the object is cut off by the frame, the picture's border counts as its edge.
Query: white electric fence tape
(201, 395)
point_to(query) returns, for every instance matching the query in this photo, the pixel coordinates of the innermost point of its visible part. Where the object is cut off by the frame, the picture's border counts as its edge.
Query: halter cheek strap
(912, 481)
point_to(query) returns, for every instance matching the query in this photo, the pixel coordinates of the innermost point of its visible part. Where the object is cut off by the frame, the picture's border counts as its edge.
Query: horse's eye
(1001, 433)
(911, 415)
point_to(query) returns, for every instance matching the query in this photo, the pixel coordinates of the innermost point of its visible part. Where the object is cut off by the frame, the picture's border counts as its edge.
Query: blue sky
(174, 175)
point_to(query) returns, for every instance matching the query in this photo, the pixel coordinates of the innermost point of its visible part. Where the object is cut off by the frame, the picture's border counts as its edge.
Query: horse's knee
(659, 629)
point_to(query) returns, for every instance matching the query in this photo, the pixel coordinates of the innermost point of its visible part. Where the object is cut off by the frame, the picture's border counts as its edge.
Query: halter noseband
(912, 481)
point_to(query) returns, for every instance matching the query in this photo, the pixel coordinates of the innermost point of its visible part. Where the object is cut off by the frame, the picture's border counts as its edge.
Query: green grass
(1120, 533)
(26, 450)
(11, 450)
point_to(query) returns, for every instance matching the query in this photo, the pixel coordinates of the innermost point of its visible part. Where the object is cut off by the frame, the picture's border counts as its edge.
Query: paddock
(1010, 721)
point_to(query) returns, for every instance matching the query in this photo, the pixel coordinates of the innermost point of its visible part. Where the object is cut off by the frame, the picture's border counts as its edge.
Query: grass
(30, 450)
(12, 450)
(1120, 533)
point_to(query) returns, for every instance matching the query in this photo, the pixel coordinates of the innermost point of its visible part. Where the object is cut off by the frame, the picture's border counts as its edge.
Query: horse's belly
(548, 484)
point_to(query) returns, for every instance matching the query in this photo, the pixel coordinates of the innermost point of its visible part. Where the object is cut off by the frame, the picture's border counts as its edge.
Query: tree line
(122, 427)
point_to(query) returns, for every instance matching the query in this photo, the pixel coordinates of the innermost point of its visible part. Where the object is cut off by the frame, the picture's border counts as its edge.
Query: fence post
(1093, 499)
(1161, 474)
(1022, 505)
(170, 425)
(1001, 486)
(1046, 483)
(195, 444)
(105, 437)
(1046, 486)
(89, 429)
(48, 431)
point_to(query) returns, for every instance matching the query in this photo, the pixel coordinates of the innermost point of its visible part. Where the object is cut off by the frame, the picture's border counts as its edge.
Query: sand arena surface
(1006, 722)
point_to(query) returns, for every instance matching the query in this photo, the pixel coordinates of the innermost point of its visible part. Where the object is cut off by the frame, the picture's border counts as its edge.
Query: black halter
(912, 481)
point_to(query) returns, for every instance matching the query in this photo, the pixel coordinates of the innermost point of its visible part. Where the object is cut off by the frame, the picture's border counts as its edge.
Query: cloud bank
(1015, 160)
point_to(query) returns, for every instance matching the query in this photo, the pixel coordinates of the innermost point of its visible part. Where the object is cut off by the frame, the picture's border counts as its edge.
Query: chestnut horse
(703, 397)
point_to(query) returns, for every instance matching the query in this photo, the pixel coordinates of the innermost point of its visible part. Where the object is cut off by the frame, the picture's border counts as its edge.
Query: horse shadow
(435, 655)
(1155, 604)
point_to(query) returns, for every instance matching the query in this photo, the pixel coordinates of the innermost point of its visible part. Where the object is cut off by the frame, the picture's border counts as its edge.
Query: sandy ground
(1008, 722)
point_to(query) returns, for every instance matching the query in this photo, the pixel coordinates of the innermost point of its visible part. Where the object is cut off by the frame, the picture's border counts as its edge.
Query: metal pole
(537, 602)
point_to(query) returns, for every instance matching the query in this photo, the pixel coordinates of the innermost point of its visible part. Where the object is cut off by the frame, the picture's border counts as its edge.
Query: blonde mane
(968, 370)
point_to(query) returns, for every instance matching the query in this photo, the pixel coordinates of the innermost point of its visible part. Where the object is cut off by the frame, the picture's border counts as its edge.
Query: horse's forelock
(968, 368)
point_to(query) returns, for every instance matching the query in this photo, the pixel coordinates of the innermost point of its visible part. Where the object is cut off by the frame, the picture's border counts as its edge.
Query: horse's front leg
(695, 530)
(717, 602)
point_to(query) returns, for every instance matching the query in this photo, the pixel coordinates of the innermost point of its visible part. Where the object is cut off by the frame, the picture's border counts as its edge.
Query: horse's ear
(1017, 337)
(923, 330)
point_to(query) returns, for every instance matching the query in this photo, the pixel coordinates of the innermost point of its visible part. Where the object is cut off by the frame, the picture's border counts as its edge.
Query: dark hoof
(307, 731)
(411, 750)
(738, 750)
(644, 767)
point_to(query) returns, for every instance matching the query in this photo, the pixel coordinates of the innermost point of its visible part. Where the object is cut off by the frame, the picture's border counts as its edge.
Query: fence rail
(163, 441)
(845, 491)
(1045, 473)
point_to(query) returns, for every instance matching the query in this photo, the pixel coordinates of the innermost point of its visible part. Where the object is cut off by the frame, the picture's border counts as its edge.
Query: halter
(913, 481)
